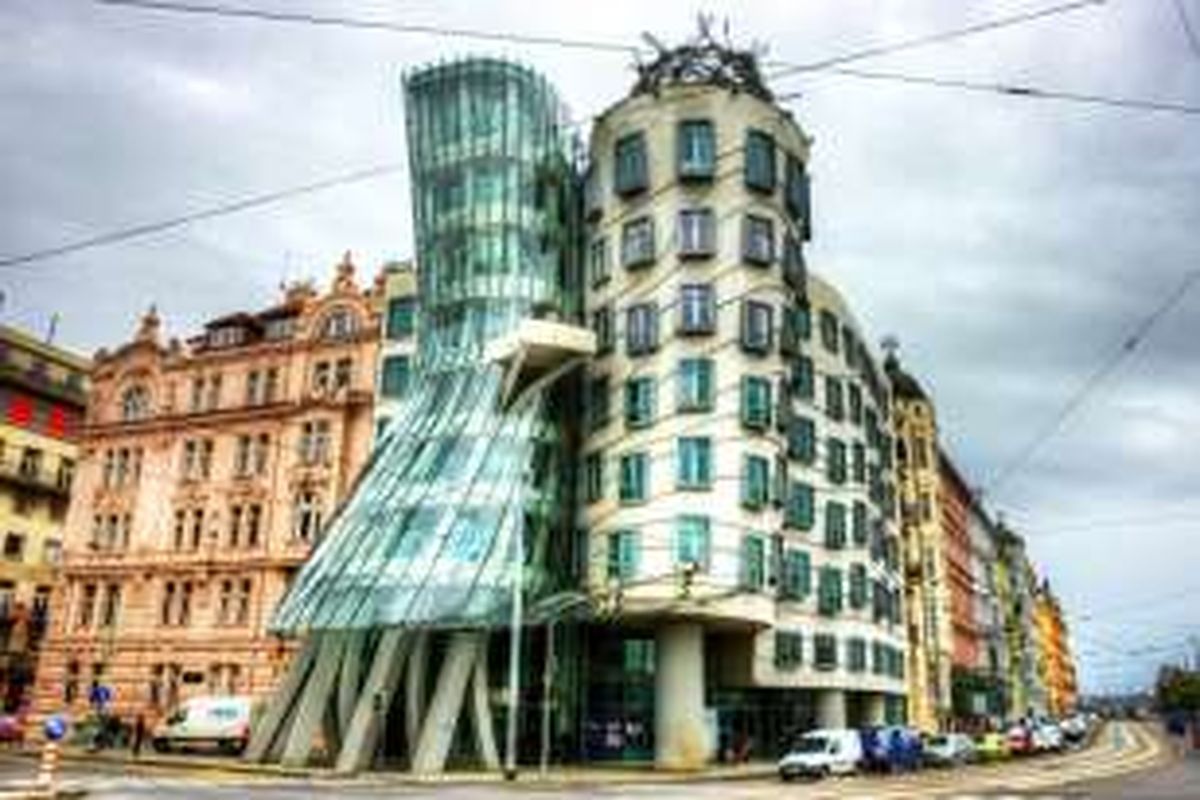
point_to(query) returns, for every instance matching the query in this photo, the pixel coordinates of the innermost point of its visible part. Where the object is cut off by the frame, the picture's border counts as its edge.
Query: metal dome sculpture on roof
(702, 61)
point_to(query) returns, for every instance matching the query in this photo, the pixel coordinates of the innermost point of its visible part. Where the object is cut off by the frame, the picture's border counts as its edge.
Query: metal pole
(547, 693)
(514, 662)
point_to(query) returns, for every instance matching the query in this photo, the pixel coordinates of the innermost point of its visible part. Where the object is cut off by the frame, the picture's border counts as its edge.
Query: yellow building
(926, 582)
(1055, 663)
(42, 397)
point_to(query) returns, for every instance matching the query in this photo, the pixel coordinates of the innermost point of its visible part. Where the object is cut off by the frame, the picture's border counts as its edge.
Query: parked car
(891, 749)
(820, 753)
(1047, 737)
(992, 747)
(1020, 739)
(206, 722)
(1075, 728)
(949, 750)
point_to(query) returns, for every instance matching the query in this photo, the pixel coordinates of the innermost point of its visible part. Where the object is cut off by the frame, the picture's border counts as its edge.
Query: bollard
(49, 765)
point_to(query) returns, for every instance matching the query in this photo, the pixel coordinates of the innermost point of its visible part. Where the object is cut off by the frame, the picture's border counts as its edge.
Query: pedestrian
(139, 734)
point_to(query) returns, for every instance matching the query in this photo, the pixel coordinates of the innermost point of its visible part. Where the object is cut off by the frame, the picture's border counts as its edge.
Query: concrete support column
(445, 707)
(831, 708)
(875, 709)
(680, 735)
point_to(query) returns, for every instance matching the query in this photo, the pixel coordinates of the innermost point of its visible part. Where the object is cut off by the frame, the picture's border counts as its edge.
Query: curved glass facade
(428, 536)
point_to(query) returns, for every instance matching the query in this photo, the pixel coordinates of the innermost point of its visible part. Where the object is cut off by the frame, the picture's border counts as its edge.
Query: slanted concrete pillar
(445, 707)
(481, 709)
(831, 708)
(680, 734)
(279, 708)
(414, 688)
(361, 737)
(875, 708)
(312, 704)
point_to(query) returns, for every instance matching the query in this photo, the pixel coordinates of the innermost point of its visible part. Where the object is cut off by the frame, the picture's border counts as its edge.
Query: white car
(820, 753)
(206, 722)
(949, 749)
(1047, 737)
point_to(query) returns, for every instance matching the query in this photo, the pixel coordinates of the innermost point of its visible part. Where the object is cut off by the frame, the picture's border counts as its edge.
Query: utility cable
(1186, 24)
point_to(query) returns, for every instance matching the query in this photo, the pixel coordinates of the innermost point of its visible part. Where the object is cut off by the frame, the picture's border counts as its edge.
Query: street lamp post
(514, 662)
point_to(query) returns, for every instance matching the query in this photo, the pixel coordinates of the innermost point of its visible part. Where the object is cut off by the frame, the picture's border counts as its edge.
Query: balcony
(34, 477)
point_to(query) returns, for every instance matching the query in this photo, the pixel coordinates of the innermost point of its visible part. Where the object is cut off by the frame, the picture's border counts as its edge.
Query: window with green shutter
(756, 402)
(789, 649)
(802, 440)
(829, 591)
(798, 512)
(593, 476)
(598, 405)
(856, 654)
(692, 534)
(835, 525)
(602, 326)
(623, 554)
(855, 400)
(835, 455)
(829, 330)
(858, 522)
(397, 371)
(640, 402)
(630, 168)
(858, 586)
(796, 581)
(634, 477)
(694, 462)
(825, 655)
(797, 195)
(756, 481)
(858, 463)
(599, 267)
(754, 563)
(401, 317)
(760, 161)
(696, 147)
(695, 385)
(835, 408)
(801, 377)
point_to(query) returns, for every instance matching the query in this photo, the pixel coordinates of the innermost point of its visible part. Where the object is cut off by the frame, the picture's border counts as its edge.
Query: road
(1132, 763)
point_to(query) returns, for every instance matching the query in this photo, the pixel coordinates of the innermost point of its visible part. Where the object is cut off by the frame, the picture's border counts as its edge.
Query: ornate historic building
(206, 473)
(1056, 665)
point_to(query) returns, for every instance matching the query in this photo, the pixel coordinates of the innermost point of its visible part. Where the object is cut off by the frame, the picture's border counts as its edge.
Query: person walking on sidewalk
(139, 734)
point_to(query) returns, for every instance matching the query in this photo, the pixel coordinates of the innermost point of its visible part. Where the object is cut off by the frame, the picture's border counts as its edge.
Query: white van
(215, 722)
(819, 753)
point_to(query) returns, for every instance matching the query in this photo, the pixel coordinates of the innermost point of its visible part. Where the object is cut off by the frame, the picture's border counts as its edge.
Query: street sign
(55, 728)
(101, 695)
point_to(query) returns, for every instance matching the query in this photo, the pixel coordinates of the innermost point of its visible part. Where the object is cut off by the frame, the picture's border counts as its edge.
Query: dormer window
(281, 328)
(340, 324)
(229, 336)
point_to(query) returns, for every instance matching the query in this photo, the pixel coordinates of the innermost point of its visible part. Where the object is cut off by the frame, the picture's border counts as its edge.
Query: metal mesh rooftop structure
(428, 537)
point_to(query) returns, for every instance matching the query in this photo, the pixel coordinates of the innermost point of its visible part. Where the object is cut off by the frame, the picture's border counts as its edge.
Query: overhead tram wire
(1188, 31)
(1128, 346)
(223, 209)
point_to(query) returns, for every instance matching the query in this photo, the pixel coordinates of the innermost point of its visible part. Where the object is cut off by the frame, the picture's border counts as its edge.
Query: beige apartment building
(42, 396)
(207, 468)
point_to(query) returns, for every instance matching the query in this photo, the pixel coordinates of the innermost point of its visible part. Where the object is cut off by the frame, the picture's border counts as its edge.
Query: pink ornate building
(206, 469)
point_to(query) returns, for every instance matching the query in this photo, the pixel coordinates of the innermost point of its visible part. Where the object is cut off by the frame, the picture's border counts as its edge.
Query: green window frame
(401, 317)
(641, 394)
(694, 468)
(599, 265)
(858, 586)
(798, 512)
(858, 463)
(760, 172)
(397, 374)
(630, 164)
(829, 591)
(825, 652)
(693, 535)
(602, 326)
(801, 378)
(829, 330)
(634, 478)
(696, 149)
(756, 482)
(802, 440)
(835, 524)
(758, 240)
(835, 455)
(796, 581)
(835, 406)
(754, 562)
(856, 654)
(694, 386)
(637, 243)
(854, 399)
(797, 195)
(593, 476)
(789, 649)
(858, 522)
(599, 402)
(624, 554)
(756, 402)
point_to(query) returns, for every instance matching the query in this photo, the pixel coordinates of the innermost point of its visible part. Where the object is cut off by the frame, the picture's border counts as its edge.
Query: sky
(1011, 244)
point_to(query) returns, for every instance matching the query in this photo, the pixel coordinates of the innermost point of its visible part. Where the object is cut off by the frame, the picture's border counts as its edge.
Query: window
(858, 463)
(855, 401)
(756, 402)
(602, 327)
(262, 453)
(760, 161)
(754, 563)
(184, 611)
(593, 197)
(254, 385)
(794, 330)
(314, 442)
(623, 547)
(637, 243)
(697, 309)
(694, 468)
(30, 466)
(697, 233)
(197, 527)
(271, 387)
(87, 606)
(796, 581)
(135, 404)
(167, 609)
(758, 240)
(641, 329)
(756, 481)
(798, 511)
(235, 526)
(640, 402)
(794, 269)
(829, 591)
(796, 195)
(66, 473)
(214, 393)
(598, 265)
(802, 440)
(634, 477)
(401, 317)
(598, 402)
(197, 397)
(757, 320)
(856, 654)
(397, 370)
(695, 385)
(858, 586)
(825, 655)
(858, 522)
(306, 516)
(630, 167)
(829, 330)
(321, 377)
(835, 460)
(696, 149)
(593, 477)
(801, 377)
(835, 406)
(692, 540)
(835, 525)
(340, 324)
(14, 546)
(111, 605)
(343, 373)
(253, 524)
(789, 649)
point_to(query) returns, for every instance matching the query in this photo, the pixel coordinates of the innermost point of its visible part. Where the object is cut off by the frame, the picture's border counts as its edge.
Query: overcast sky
(1009, 243)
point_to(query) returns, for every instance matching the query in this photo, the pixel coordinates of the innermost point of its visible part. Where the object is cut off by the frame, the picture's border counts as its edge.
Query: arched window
(135, 404)
(341, 323)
